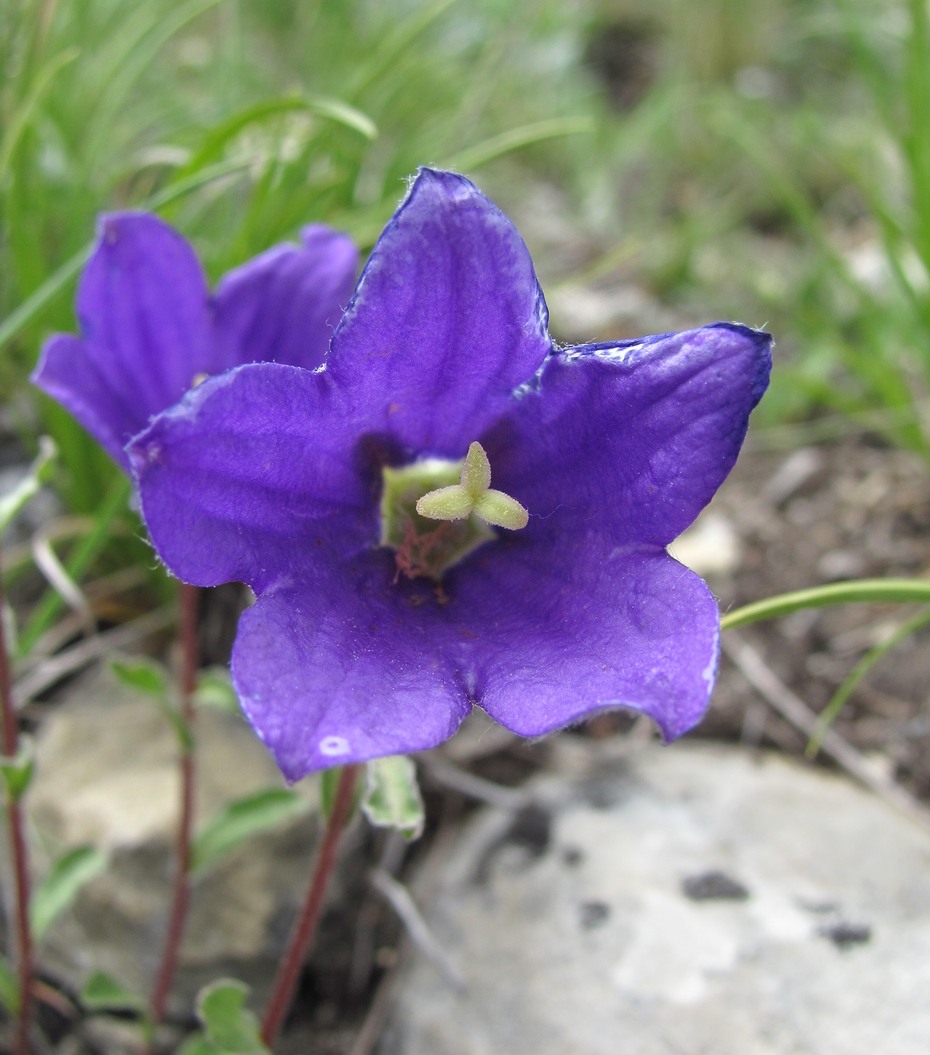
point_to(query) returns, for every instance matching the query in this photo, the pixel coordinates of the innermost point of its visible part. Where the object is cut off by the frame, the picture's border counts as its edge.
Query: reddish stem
(18, 849)
(304, 929)
(188, 600)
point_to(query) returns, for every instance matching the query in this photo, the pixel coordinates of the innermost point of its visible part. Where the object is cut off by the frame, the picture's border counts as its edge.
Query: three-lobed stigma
(430, 527)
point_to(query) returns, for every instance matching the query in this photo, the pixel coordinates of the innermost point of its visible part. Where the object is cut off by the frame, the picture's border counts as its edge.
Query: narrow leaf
(243, 818)
(142, 675)
(103, 992)
(69, 874)
(14, 500)
(17, 771)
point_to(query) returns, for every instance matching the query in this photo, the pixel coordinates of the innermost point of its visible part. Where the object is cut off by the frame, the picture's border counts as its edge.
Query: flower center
(435, 512)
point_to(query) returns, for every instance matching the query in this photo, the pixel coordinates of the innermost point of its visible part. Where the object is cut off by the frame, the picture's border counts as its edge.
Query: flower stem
(19, 853)
(188, 598)
(898, 591)
(289, 969)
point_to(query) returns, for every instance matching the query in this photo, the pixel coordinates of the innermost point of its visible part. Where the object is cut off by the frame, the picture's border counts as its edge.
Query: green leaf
(392, 797)
(229, 1025)
(17, 771)
(143, 675)
(61, 886)
(243, 818)
(13, 501)
(9, 987)
(214, 689)
(103, 992)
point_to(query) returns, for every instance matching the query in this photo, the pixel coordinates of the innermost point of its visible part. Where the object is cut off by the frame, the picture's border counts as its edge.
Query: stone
(677, 901)
(107, 776)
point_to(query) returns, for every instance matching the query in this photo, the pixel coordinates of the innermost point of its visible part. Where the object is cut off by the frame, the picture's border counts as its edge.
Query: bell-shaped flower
(452, 511)
(151, 330)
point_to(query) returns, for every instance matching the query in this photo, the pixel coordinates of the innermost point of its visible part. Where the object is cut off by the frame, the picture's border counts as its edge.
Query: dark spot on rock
(844, 934)
(594, 914)
(530, 830)
(572, 856)
(713, 886)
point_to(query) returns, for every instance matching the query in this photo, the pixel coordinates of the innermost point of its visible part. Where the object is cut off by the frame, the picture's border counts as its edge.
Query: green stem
(899, 591)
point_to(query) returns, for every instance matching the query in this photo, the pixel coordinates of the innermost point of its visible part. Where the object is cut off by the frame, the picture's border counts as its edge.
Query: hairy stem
(188, 599)
(304, 929)
(19, 852)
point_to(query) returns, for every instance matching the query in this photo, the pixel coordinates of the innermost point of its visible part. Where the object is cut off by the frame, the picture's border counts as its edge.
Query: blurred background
(669, 162)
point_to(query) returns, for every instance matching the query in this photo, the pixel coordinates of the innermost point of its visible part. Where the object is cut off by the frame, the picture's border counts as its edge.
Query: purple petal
(145, 329)
(631, 441)
(342, 667)
(283, 306)
(561, 633)
(251, 475)
(447, 320)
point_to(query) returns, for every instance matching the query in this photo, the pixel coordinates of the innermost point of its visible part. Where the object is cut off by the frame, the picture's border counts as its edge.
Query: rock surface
(107, 776)
(678, 901)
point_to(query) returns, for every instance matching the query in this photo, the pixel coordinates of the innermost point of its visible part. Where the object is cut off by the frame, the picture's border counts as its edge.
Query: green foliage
(243, 818)
(102, 992)
(142, 675)
(17, 771)
(73, 870)
(9, 987)
(229, 1028)
(13, 501)
(214, 689)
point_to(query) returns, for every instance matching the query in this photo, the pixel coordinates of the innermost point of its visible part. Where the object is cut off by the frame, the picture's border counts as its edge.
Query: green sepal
(392, 796)
(18, 770)
(72, 871)
(243, 818)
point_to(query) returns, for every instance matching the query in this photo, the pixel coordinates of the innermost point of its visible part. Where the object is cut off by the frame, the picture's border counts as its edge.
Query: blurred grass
(767, 160)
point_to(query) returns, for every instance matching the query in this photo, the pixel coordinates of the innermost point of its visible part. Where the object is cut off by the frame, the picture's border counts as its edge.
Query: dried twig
(794, 710)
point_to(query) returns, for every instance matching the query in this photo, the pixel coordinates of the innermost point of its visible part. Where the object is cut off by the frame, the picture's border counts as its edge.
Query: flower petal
(283, 306)
(559, 634)
(251, 474)
(145, 327)
(342, 667)
(447, 320)
(631, 440)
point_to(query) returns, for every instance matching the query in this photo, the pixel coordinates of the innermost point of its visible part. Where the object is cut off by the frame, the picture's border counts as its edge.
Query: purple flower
(150, 330)
(376, 629)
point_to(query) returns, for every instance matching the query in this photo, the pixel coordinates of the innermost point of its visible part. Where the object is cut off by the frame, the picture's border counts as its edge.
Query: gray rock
(107, 776)
(678, 901)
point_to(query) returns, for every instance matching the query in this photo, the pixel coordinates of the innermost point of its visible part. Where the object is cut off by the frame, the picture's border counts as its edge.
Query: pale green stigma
(416, 496)
(474, 494)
